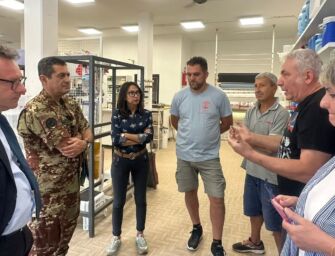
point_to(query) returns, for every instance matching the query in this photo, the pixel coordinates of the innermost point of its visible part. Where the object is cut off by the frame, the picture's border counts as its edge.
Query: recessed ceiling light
(192, 24)
(12, 4)
(251, 21)
(130, 28)
(80, 1)
(90, 31)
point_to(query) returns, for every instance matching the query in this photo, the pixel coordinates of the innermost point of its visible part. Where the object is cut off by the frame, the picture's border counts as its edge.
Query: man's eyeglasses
(15, 83)
(133, 94)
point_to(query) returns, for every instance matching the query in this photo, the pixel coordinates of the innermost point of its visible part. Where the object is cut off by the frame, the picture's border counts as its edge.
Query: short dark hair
(45, 65)
(196, 60)
(8, 53)
(122, 99)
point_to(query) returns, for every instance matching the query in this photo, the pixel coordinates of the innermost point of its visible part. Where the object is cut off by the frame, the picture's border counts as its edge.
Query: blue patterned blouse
(135, 124)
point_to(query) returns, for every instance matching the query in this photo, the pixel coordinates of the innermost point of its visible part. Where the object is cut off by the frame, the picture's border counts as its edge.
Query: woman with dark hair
(131, 131)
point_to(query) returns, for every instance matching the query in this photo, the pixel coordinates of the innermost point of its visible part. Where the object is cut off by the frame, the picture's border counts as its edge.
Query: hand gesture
(239, 145)
(306, 235)
(287, 201)
(243, 132)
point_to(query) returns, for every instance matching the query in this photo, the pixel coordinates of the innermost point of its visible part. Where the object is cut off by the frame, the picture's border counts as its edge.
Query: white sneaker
(114, 246)
(141, 245)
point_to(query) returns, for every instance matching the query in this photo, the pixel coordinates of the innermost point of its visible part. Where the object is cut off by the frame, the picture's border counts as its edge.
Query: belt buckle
(132, 156)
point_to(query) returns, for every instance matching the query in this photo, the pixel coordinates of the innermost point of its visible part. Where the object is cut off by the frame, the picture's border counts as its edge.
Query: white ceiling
(109, 15)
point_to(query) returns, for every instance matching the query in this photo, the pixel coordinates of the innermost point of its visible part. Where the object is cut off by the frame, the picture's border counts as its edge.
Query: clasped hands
(72, 147)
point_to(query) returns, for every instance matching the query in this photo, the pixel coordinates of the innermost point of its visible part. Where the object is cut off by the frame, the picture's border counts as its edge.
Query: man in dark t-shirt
(307, 129)
(309, 139)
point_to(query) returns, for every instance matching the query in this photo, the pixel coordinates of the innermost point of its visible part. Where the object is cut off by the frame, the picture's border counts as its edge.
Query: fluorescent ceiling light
(192, 24)
(12, 4)
(80, 1)
(90, 31)
(130, 28)
(252, 21)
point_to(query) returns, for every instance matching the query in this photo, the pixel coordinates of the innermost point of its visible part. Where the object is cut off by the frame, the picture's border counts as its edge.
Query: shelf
(326, 9)
(324, 52)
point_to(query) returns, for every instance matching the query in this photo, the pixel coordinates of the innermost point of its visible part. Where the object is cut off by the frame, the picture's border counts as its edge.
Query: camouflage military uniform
(42, 124)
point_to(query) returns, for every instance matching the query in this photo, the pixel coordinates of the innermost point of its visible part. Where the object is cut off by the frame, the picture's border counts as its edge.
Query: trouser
(53, 231)
(17, 243)
(121, 168)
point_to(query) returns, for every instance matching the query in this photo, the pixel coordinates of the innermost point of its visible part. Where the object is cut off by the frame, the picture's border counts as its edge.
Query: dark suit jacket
(7, 190)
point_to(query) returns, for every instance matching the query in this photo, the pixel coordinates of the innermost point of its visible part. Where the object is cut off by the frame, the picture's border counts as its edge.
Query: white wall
(121, 49)
(232, 50)
(186, 52)
(167, 63)
(171, 53)
(166, 60)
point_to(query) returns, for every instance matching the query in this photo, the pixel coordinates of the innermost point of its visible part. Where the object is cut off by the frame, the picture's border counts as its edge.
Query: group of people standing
(281, 154)
(304, 163)
(289, 159)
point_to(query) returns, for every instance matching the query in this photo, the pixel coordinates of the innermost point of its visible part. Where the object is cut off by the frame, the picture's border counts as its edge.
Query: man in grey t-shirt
(200, 113)
(263, 128)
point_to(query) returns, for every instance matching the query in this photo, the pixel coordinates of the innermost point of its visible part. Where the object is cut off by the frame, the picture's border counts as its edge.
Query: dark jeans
(16, 244)
(121, 168)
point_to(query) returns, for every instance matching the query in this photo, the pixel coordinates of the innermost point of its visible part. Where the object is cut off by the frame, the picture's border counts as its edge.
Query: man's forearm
(268, 143)
(289, 168)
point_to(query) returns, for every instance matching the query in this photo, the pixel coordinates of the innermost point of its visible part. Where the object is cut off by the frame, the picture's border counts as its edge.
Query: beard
(196, 86)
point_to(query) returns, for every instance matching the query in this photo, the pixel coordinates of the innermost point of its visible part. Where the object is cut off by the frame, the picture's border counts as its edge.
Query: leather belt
(131, 155)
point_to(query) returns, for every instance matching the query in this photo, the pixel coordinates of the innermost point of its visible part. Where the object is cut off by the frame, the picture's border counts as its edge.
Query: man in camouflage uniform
(55, 133)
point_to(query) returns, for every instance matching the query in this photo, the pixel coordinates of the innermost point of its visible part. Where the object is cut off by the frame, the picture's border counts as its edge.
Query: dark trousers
(121, 168)
(17, 243)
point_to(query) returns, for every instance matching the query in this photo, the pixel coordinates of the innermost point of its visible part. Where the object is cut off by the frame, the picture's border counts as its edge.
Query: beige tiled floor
(168, 223)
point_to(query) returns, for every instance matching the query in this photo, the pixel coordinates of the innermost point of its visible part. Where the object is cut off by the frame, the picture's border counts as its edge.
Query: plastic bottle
(303, 18)
(300, 24)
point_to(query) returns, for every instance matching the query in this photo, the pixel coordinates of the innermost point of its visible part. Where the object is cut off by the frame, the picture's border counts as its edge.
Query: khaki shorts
(210, 172)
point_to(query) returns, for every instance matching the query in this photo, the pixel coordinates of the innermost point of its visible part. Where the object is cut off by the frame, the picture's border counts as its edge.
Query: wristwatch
(87, 142)
(123, 138)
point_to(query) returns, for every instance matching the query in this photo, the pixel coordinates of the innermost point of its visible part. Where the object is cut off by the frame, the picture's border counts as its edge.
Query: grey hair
(306, 59)
(328, 73)
(271, 77)
(8, 53)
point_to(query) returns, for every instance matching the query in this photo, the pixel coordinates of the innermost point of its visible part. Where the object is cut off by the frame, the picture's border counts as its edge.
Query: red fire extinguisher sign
(184, 78)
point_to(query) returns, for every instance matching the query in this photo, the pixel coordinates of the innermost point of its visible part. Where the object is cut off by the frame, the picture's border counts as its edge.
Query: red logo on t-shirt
(205, 105)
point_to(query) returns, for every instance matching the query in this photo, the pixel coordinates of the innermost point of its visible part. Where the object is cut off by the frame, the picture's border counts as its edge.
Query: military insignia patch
(51, 123)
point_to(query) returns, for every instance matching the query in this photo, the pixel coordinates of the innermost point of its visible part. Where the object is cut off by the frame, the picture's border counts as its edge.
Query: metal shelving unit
(326, 9)
(91, 100)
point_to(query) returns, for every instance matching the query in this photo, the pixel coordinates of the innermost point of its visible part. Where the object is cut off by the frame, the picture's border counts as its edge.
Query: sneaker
(141, 245)
(114, 246)
(196, 235)
(248, 246)
(217, 250)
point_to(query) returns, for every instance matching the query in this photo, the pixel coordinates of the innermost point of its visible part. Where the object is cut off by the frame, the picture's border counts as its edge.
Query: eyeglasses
(15, 83)
(133, 94)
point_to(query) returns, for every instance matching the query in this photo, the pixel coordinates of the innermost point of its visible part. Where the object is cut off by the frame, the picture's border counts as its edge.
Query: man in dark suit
(19, 193)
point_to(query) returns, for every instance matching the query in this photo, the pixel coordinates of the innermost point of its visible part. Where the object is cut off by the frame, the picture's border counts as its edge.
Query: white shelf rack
(325, 51)
(326, 9)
